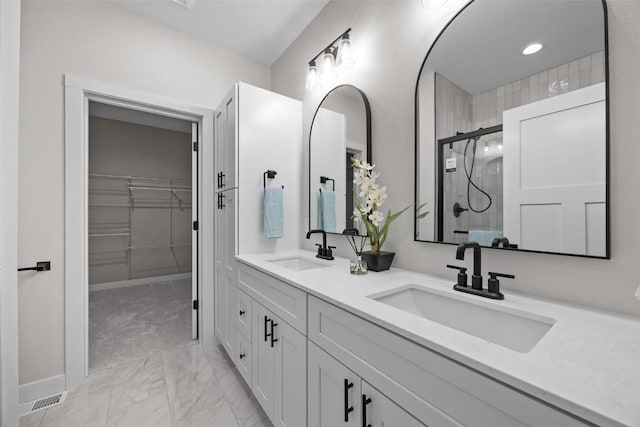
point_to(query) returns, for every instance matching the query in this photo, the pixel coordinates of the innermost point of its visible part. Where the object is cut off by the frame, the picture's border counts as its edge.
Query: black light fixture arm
(330, 45)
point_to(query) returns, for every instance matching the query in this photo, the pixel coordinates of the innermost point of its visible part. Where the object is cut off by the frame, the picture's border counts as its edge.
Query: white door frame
(78, 92)
(9, 128)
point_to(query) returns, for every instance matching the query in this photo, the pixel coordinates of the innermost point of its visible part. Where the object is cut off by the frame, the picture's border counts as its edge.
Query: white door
(195, 232)
(333, 391)
(379, 410)
(263, 368)
(290, 376)
(555, 173)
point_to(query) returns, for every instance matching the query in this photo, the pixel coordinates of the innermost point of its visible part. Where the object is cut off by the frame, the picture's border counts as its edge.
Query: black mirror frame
(367, 108)
(607, 145)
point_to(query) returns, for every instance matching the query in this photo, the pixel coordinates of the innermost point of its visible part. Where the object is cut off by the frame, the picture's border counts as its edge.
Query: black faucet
(324, 251)
(505, 243)
(493, 290)
(476, 279)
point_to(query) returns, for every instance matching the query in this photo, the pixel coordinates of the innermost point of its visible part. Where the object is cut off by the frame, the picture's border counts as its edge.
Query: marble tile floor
(138, 321)
(180, 387)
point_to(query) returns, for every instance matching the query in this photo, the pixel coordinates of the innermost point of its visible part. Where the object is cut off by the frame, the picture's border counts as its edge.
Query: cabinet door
(290, 376)
(380, 411)
(263, 367)
(228, 204)
(243, 357)
(225, 142)
(220, 276)
(333, 391)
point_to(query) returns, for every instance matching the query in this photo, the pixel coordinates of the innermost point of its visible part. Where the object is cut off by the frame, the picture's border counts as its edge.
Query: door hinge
(195, 225)
(195, 304)
(195, 146)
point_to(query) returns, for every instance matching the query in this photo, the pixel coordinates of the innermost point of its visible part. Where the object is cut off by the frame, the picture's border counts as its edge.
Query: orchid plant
(372, 197)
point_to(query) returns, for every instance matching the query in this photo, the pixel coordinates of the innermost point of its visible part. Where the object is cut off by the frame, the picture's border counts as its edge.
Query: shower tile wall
(489, 106)
(459, 111)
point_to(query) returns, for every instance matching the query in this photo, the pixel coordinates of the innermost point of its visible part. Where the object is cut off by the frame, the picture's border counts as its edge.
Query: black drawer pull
(347, 409)
(266, 335)
(365, 401)
(273, 340)
(242, 356)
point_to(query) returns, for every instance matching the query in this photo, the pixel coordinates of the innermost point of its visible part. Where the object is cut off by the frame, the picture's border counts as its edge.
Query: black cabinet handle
(242, 312)
(222, 196)
(266, 335)
(242, 355)
(273, 340)
(365, 401)
(347, 409)
(218, 176)
(222, 177)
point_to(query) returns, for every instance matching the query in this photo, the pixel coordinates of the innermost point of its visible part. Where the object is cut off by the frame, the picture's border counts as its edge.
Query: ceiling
(258, 29)
(482, 48)
(121, 114)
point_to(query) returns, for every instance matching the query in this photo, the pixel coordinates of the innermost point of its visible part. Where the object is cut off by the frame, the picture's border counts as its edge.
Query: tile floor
(160, 382)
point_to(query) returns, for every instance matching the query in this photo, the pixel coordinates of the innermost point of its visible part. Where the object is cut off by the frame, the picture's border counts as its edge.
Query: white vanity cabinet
(278, 373)
(434, 389)
(337, 396)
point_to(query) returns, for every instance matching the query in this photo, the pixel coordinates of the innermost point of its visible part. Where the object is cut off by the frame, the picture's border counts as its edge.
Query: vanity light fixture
(532, 48)
(328, 65)
(336, 56)
(313, 78)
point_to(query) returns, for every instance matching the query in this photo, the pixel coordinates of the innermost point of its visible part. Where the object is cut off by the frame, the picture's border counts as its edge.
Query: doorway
(142, 195)
(79, 93)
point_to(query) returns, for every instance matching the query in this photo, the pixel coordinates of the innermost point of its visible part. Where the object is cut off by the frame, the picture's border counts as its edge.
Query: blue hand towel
(273, 212)
(484, 237)
(327, 211)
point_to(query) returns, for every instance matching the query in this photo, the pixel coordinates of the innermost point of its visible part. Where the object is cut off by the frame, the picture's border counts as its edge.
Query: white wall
(9, 101)
(391, 40)
(97, 40)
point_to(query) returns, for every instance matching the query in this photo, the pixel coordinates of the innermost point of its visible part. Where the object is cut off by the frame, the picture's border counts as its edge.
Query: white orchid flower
(376, 218)
(377, 196)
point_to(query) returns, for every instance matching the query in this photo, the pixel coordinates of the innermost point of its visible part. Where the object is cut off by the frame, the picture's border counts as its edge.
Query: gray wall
(154, 218)
(101, 41)
(391, 40)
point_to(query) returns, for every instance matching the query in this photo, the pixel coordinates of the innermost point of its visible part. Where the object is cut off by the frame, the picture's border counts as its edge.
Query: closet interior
(141, 199)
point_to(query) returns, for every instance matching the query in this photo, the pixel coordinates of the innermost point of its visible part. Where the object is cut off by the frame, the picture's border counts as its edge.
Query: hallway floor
(146, 371)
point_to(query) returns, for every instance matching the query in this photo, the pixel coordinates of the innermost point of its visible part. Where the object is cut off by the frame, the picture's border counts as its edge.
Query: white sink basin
(297, 263)
(514, 329)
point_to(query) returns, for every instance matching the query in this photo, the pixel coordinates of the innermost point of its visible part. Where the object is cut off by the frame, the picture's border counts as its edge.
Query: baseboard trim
(137, 282)
(42, 388)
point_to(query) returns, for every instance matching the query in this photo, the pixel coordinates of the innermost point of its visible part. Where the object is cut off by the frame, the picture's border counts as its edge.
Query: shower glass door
(471, 187)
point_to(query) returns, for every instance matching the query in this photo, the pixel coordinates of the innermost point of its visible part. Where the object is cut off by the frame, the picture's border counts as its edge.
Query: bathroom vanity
(320, 347)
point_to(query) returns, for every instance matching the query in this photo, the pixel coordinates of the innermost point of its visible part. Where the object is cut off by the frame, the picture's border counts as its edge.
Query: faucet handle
(462, 274)
(506, 276)
(493, 284)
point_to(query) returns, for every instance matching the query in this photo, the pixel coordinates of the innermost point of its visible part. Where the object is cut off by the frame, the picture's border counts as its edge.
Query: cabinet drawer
(242, 357)
(426, 384)
(284, 300)
(243, 313)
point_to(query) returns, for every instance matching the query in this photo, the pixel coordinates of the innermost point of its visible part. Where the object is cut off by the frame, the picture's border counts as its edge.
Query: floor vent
(44, 403)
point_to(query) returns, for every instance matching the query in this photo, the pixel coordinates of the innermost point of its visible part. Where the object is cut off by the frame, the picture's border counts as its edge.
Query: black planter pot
(380, 261)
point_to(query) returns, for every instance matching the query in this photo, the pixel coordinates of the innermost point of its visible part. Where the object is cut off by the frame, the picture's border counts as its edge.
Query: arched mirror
(340, 131)
(512, 128)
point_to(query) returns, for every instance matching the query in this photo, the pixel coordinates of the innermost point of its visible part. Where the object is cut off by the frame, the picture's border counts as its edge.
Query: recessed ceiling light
(185, 3)
(433, 4)
(532, 48)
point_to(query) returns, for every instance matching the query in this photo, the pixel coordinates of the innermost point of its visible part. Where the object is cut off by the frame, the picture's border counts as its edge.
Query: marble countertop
(588, 363)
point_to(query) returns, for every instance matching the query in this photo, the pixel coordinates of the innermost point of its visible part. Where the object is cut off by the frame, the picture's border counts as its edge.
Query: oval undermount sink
(297, 263)
(511, 328)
